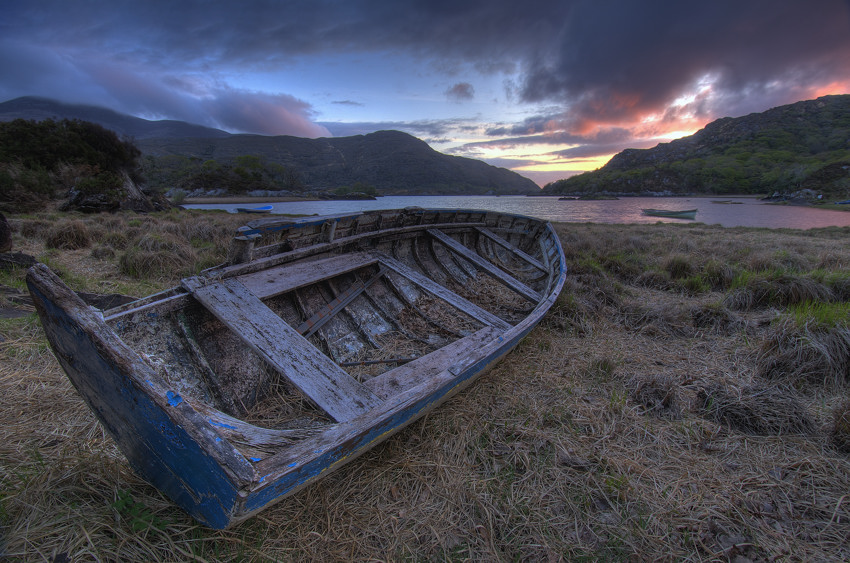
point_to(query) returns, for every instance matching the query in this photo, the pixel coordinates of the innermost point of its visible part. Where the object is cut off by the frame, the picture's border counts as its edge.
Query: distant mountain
(805, 145)
(391, 161)
(39, 109)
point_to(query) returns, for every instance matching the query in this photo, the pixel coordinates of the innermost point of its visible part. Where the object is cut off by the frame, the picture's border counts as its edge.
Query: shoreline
(246, 199)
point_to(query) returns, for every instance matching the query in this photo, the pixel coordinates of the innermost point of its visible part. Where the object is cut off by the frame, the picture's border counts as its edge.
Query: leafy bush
(40, 159)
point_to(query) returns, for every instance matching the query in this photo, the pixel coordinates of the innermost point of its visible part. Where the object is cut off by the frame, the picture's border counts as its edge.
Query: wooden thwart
(280, 279)
(479, 262)
(331, 388)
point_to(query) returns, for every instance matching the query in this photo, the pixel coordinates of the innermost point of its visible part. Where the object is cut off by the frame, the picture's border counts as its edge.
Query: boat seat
(313, 373)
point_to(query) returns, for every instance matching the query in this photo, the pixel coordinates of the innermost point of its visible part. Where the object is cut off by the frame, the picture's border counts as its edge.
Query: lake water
(746, 212)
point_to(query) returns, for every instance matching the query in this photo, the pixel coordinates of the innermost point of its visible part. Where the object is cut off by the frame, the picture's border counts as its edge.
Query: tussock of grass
(718, 274)
(778, 289)
(157, 256)
(657, 393)
(716, 318)
(655, 279)
(678, 266)
(70, 235)
(756, 409)
(840, 429)
(795, 350)
(657, 319)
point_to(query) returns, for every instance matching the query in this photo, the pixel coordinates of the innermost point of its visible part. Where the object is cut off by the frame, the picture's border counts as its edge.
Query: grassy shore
(686, 399)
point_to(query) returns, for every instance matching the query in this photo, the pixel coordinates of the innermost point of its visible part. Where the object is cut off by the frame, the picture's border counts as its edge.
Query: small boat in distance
(253, 379)
(671, 213)
(263, 209)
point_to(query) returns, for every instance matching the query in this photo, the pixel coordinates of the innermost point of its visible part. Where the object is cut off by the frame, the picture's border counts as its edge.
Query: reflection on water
(745, 212)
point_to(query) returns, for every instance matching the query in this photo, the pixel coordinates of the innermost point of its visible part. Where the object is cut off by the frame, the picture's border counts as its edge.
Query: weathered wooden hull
(255, 379)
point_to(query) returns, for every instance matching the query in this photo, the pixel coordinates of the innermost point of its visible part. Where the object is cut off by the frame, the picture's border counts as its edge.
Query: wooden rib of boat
(262, 209)
(672, 213)
(254, 379)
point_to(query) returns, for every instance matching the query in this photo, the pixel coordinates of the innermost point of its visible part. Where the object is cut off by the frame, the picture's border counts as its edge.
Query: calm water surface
(749, 212)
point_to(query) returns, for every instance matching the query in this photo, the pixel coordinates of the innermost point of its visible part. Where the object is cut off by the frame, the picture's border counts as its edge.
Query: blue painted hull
(262, 209)
(190, 442)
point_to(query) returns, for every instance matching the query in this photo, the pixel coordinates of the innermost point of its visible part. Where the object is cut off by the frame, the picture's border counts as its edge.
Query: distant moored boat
(672, 213)
(263, 209)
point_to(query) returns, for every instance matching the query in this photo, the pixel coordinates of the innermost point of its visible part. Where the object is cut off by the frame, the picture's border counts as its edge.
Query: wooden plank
(314, 323)
(441, 292)
(508, 246)
(331, 388)
(488, 267)
(420, 370)
(274, 281)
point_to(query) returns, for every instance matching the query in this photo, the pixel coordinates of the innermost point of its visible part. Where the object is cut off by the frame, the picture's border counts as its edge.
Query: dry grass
(632, 425)
(790, 352)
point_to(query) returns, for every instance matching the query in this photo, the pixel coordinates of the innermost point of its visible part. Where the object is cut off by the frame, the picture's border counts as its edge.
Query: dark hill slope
(391, 161)
(801, 145)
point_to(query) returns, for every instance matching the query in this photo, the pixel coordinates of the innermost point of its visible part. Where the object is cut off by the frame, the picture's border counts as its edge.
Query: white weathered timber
(488, 267)
(441, 292)
(313, 373)
(420, 370)
(280, 279)
(508, 246)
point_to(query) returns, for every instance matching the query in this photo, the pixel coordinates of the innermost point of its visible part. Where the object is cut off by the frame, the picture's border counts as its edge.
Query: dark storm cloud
(617, 59)
(460, 92)
(602, 63)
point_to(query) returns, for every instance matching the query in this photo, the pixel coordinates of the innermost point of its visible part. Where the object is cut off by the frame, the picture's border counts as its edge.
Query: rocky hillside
(805, 145)
(390, 161)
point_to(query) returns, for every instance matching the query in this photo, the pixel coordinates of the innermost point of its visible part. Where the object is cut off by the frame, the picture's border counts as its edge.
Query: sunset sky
(547, 88)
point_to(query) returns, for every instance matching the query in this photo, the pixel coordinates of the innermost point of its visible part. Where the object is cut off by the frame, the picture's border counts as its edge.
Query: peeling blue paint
(221, 424)
(173, 398)
(255, 458)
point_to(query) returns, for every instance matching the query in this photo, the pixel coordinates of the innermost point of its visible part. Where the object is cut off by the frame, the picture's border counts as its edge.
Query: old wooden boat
(672, 213)
(255, 378)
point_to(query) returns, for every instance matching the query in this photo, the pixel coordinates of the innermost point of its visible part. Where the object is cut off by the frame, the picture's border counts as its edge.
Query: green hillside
(805, 145)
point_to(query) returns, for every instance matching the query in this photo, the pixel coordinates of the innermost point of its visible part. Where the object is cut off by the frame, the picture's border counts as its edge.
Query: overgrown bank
(658, 412)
